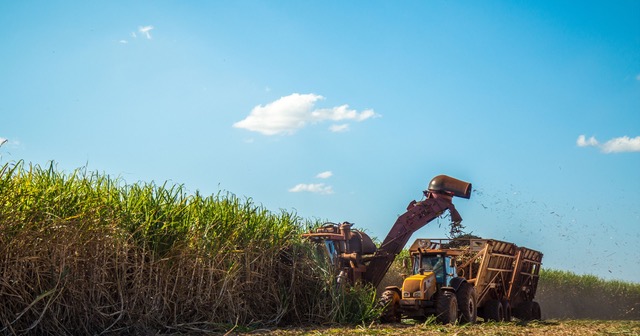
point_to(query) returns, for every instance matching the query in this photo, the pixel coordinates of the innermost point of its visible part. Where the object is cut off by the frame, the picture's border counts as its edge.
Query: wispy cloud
(316, 188)
(325, 175)
(145, 31)
(584, 142)
(339, 128)
(342, 113)
(615, 145)
(295, 111)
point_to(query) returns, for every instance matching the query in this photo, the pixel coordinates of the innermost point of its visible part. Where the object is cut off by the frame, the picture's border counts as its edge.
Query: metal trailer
(505, 277)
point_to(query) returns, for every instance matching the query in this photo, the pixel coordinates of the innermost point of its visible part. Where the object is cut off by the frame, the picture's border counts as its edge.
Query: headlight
(417, 294)
(405, 294)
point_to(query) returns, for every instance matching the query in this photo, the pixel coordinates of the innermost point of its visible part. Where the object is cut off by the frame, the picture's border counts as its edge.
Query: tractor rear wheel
(493, 311)
(467, 303)
(446, 308)
(390, 303)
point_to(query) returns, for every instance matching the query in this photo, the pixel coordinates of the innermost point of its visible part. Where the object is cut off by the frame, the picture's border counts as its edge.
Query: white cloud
(133, 34)
(342, 113)
(295, 111)
(123, 41)
(615, 145)
(583, 142)
(316, 188)
(622, 144)
(339, 128)
(146, 31)
(325, 175)
(283, 116)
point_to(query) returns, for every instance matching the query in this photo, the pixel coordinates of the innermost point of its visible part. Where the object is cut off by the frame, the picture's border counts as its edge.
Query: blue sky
(345, 110)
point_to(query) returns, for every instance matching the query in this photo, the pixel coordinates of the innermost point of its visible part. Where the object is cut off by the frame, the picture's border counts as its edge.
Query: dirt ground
(547, 327)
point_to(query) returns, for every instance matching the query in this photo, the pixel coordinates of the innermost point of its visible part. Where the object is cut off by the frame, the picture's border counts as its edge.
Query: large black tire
(446, 308)
(529, 311)
(493, 311)
(506, 307)
(390, 303)
(536, 312)
(467, 303)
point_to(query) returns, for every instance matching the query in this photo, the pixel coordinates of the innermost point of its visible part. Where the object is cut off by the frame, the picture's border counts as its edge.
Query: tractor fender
(395, 289)
(456, 282)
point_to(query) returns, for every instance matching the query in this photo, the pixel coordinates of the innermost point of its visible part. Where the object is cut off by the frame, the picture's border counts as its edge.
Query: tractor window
(450, 269)
(434, 264)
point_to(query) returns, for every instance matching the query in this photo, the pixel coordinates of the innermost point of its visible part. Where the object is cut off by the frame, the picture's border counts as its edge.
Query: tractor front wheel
(446, 308)
(390, 303)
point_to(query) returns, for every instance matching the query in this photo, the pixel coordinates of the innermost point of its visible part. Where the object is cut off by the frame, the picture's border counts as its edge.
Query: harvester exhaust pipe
(449, 185)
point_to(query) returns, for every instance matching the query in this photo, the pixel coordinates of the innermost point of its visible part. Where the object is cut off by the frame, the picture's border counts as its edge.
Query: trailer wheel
(446, 308)
(506, 307)
(493, 311)
(529, 311)
(467, 303)
(390, 303)
(536, 313)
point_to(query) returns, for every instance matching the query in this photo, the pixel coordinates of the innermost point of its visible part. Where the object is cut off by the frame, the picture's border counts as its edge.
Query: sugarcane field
(85, 253)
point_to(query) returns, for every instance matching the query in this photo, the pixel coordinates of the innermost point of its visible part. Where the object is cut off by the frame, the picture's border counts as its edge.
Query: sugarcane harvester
(355, 256)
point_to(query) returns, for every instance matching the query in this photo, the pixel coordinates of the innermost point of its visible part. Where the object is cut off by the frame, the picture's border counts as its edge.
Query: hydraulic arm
(418, 214)
(355, 255)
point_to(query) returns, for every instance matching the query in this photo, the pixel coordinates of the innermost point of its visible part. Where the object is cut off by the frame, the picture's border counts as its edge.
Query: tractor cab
(440, 264)
(434, 267)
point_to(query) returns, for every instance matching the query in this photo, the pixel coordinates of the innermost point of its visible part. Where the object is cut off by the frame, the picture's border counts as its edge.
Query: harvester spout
(443, 184)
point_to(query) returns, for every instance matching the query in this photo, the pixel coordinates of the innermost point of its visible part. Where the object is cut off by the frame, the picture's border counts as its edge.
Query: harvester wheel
(446, 308)
(506, 307)
(467, 303)
(493, 311)
(390, 303)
